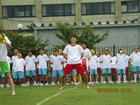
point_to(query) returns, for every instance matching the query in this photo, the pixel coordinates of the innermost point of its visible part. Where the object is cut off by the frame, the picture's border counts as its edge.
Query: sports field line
(55, 95)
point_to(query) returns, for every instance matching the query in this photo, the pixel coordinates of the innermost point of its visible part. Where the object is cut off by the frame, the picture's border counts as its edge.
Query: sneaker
(2, 85)
(118, 82)
(40, 84)
(34, 84)
(7, 86)
(104, 82)
(67, 83)
(125, 81)
(53, 84)
(111, 82)
(23, 85)
(46, 84)
(97, 82)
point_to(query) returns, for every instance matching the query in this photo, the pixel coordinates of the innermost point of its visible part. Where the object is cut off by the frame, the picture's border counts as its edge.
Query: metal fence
(112, 48)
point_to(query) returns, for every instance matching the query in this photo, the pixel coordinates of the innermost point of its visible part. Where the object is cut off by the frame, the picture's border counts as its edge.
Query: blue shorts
(56, 72)
(93, 72)
(30, 73)
(18, 74)
(42, 71)
(136, 68)
(121, 71)
(2, 75)
(106, 71)
(72, 73)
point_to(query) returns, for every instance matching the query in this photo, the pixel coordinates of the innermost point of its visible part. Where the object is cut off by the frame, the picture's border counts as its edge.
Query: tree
(85, 34)
(24, 43)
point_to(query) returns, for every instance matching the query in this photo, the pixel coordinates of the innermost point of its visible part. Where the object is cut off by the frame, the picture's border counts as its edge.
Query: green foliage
(24, 43)
(85, 34)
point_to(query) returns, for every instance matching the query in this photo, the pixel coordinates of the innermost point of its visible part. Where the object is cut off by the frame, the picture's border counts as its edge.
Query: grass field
(101, 94)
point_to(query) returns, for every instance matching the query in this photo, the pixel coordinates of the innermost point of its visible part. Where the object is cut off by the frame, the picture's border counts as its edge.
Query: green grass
(79, 96)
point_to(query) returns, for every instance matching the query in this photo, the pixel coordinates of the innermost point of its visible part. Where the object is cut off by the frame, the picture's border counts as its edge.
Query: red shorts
(99, 71)
(113, 70)
(69, 67)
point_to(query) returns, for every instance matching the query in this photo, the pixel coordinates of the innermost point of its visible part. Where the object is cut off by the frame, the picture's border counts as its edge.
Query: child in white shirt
(19, 69)
(57, 62)
(30, 60)
(93, 62)
(121, 66)
(42, 61)
(106, 66)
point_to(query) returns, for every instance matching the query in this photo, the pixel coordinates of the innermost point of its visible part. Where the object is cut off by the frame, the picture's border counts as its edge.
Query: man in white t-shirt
(30, 60)
(4, 43)
(135, 59)
(42, 61)
(73, 53)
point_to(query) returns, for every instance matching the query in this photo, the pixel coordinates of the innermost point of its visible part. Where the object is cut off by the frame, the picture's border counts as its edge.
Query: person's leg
(33, 72)
(67, 70)
(11, 83)
(54, 75)
(60, 75)
(81, 71)
(28, 77)
(118, 76)
(45, 77)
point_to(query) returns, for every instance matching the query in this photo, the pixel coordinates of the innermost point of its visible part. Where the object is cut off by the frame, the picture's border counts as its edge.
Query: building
(110, 14)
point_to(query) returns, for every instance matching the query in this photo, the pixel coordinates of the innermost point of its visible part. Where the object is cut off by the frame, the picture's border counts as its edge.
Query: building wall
(11, 23)
(118, 35)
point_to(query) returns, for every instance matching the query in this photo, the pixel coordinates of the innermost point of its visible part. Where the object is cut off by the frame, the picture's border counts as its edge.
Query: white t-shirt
(30, 62)
(135, 58)
(114, 62)
(121, 61)
(19, 65)
(93, 62)
(13, 60)
(42, 59)
(3, 50)
(73, 53)
(127, 59)
(106, 61)
(57, 62)
(87, 53)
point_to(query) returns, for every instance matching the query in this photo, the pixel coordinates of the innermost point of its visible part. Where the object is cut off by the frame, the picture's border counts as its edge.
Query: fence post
(114, 49)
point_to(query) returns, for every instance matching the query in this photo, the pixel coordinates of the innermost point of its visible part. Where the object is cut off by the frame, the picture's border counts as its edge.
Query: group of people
(73, 64)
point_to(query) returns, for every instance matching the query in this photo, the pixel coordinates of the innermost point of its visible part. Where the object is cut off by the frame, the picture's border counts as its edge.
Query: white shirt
(106, 61)
(30, 62)
(73, 53)
(13, 60)
(3, 50)
(121, 61)
(57, 62)
(114, 62)
(127, 59)
(135, 58)
(87, 53)
(19, 65)
(42, 59)
(93, 62)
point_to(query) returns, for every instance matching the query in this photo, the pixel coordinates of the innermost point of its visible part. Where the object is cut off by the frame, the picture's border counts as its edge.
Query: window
(131, 6)
(18, 11)
(97, 8)
(58, 10)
